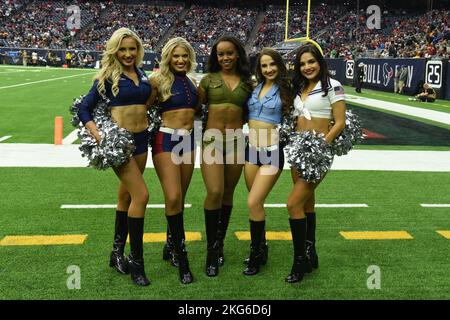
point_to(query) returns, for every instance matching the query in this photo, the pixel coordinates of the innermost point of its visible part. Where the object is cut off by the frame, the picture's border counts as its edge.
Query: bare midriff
(224, 116)
(132, 117)
(318, 124)
(262, 134)
(179, 119)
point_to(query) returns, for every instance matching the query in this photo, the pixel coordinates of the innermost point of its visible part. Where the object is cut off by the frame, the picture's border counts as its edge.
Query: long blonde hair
(111, 67)
(165, 77)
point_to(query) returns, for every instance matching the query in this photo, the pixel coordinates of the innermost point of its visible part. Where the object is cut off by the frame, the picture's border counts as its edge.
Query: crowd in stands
(272, 29)
(43, 24)
(202, 25)
(338, 29)
(402, 35)
(150, 22)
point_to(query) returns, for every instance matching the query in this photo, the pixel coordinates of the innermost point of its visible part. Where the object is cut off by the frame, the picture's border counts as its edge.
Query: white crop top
(317, 106)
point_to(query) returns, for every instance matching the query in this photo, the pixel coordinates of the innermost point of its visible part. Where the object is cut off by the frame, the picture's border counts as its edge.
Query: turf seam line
(323, 205)
(112, 206)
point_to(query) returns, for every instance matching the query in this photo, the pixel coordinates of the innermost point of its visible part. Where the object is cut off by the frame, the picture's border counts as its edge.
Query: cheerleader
(127, 87)
(264, 156)
(225, 90)
(320, 100)
(173, 147)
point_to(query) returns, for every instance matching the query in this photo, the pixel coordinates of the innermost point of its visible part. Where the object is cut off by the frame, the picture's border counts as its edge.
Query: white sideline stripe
(111, 206)
(435, 205)
(46, 80)
(5, 138)
(71, 138)
(69, 156)
(438, 116)
(343, 205)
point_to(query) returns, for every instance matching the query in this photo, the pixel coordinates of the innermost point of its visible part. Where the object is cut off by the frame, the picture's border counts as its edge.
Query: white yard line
(71, 138)
(342, 205)
(441, 117)
(5, 138)
(435, 205)
(46, 80)
(69, 156)
(111, 206)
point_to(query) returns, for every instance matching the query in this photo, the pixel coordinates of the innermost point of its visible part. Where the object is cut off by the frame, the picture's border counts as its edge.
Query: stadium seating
(42, 24)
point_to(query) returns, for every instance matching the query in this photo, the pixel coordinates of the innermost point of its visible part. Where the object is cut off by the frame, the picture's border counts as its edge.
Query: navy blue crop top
(184, 95)
(129, 94)
(268, 108)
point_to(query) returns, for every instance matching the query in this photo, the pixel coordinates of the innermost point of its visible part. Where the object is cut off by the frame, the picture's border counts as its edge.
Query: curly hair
(112, 68)
(242, 66)
(282, 80)
(165, 76)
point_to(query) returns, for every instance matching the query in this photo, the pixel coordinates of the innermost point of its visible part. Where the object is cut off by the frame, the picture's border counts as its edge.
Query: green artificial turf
(410, 269)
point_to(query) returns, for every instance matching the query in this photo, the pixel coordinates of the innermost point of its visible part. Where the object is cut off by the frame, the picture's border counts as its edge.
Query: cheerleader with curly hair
(128, 89)
(173, 149)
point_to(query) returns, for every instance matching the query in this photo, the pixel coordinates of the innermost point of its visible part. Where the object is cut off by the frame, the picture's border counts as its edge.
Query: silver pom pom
(310, 154)
(351, 135)
(74, 108)
(287, 127)
(154, 122)
(204, 116)
(116, 146)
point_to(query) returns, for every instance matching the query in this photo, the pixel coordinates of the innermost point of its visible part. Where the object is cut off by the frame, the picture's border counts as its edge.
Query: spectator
(427, 95)
(403, 76)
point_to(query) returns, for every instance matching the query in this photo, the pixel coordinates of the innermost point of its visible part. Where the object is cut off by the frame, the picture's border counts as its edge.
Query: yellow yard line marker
(270, 235)
(375, 235)
(43, 240)
(161, 237)
(444, 233)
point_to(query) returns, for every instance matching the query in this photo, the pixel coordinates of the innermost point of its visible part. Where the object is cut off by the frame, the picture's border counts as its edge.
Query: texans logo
(388, 72)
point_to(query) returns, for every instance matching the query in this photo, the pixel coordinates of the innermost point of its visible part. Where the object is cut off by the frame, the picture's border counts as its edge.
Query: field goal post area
(304, 39)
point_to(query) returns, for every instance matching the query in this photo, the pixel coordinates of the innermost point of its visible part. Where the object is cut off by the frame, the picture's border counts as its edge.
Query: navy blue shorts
(273, 155)
(166, 142)
(141, 142)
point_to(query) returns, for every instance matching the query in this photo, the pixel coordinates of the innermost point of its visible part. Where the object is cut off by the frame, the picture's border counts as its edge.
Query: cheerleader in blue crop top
(320, 100)
(128, 89)
(264, 157)
(173, 148)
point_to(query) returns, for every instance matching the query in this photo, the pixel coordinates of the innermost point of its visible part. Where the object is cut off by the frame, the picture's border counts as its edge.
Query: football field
(383, 227)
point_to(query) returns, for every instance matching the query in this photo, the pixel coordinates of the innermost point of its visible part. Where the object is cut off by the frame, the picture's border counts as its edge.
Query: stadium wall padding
(447, 82)
(379, 73)
(13, 57)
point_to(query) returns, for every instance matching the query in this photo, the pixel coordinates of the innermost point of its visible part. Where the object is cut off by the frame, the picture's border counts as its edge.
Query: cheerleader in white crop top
(320, 99)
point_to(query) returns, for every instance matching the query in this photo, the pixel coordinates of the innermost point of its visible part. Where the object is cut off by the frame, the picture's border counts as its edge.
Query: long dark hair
(282, 80)
(299, 80)
(242, 65)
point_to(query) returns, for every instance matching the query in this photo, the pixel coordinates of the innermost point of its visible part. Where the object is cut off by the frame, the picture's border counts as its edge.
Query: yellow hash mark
(270, 235)
(375, 235)
(161, 237)
(43, 240)
(444, 233)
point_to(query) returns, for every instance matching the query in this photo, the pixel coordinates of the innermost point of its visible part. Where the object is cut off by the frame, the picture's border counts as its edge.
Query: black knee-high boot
(301, 263)
(311, 239)
(176, 225)
(224, 220)
(257, 230)
(168, 250)
(117, 260)
(264, 248)
(212, 257)
(136, 257)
